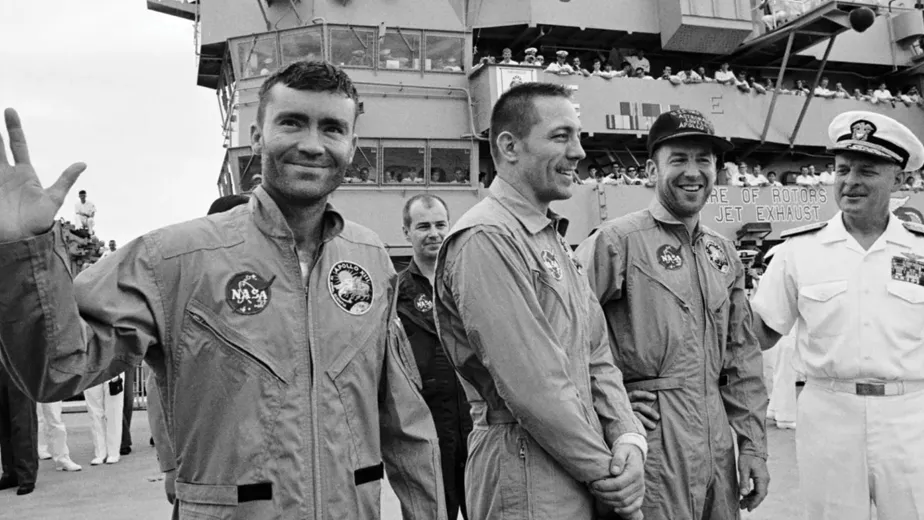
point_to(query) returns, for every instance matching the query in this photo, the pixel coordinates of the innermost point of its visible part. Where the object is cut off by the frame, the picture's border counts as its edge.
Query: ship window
(251, 172)
(444, 53)
(450, 163)
(352, 46)
(400, 50)
(301, 44)
(257, 56)
(364, 169)
(403, 162)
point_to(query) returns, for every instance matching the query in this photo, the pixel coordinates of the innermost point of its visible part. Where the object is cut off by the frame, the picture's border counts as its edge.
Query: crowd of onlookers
(635, 65)
(735, 174)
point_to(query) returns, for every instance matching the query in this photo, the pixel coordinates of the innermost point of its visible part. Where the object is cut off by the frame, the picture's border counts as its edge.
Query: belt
(658, 384)
(655, 385)
(867, 388)
(499, 417)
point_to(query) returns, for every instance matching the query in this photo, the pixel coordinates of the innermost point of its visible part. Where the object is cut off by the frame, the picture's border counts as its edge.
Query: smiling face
(429, 224)
(548, 156)
(305, 142)
(684, 172)
(863, 185)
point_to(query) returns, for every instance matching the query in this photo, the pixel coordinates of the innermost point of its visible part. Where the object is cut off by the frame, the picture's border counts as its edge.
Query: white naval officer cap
(562, 54)
(877, 135)
(531, 50)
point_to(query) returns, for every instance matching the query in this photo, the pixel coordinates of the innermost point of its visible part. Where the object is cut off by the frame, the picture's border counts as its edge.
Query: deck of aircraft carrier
(133, 488)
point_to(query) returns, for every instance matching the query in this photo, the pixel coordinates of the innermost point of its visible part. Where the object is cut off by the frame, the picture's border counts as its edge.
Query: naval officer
(854, 286)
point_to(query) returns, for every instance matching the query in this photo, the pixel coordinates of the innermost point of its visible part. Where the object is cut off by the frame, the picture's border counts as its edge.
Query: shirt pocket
(824, 308)
(554, 308)
(356, 377)
(662, 326)
(225, 399)
(905, 309)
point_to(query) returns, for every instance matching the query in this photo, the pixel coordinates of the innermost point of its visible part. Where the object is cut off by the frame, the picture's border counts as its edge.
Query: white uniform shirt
(637, 62)
(725, 76)
(806, 180)
(86, 209)
(860, 322)
(826, 178)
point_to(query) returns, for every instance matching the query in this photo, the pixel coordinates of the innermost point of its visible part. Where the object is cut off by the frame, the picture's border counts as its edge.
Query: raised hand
(27, 209)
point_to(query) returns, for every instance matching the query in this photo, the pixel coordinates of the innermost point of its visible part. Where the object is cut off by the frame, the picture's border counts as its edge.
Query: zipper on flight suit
(312, 397)
(312, 400)
(234, 346)
(702, 295)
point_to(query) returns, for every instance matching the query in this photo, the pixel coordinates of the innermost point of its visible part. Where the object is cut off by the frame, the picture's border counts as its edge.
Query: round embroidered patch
(717, 256)
(551, 264)
(351, 287)
(248, 293)
(669, 257)
(423, 303)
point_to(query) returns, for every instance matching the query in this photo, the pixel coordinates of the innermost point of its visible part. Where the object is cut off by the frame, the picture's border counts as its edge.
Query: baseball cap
(877, 135)
(683, 122)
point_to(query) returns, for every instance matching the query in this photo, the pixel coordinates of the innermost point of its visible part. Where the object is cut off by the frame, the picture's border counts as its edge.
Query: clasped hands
(624, 490)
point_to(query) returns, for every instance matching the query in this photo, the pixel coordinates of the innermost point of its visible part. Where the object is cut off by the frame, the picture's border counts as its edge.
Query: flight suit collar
(414, 270)
(529, 215)
(269, 219)
(662, 215)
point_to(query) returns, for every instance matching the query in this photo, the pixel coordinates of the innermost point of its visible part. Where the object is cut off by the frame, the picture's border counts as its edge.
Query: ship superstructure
(429, 72)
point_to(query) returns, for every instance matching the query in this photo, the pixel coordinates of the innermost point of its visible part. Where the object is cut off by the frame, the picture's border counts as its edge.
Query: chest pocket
(555, 307)
(356, 375)
(226, 395)
(905, 309)
(824, 308)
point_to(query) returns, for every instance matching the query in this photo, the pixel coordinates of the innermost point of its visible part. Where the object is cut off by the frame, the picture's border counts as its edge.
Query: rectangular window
(303, 43)
(257, 56)
(450, 162)
(352, 46)
(400, 50)
(444, 53)
(364, 169)
(403, 162)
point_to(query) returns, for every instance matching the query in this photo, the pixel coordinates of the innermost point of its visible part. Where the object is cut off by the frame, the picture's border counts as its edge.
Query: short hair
(227, 202)
(82, 192)
(515, 111)
(427, 199)
(311, 76)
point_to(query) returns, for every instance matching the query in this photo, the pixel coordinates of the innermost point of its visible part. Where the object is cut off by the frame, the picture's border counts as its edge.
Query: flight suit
(680, 326)
(441, 389)
(528, 340)
(282, 400)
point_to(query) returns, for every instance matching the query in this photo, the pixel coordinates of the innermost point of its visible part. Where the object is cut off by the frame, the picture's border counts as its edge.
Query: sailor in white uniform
(855, 287)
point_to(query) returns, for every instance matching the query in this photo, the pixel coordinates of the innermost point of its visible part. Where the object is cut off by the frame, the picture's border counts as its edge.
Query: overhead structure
(822, 23)
(181, 8)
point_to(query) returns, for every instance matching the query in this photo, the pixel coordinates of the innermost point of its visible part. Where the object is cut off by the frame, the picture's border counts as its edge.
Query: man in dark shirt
(426, 223)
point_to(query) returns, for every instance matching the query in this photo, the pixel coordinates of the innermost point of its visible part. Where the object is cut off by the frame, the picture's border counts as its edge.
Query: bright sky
(112, 84)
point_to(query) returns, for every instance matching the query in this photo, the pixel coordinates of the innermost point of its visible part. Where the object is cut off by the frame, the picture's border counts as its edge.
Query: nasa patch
(551, 264)
(669, 257)
(423, 303)
(248, 293)
(717, 256)
(351, 287)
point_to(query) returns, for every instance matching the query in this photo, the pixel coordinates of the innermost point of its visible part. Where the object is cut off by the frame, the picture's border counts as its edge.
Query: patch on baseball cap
(681, 123)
